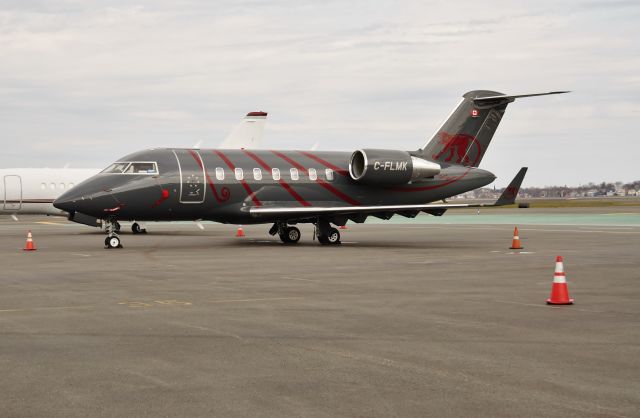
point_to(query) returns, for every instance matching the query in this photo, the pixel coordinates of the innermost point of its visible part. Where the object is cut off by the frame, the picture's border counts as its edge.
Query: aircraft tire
(112, 242)
(333, 237)
(136, 229)
(293, 235)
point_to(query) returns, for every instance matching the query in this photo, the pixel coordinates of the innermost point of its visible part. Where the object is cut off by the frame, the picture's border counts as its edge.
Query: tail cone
(515, 244)
(559, 289)
(29, 246)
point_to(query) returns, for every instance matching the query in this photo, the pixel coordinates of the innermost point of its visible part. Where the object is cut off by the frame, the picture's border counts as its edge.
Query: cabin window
(275, 173)
(43, 186)
(294, 174)
(70, 185)
(329, 174)
(219, 173)
(61, 186)
(52, 186)
(239, 174)
(257, 174)
(313, 175)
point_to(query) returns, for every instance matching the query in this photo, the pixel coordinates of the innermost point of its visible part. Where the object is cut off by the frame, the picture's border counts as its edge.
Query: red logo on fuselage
(459, 147)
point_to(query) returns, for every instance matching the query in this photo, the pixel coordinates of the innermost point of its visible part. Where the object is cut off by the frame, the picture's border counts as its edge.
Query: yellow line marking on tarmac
(173, 302)
(134, 304)
(622, 213)
(252, 300)
(51, 308)
(50, 223)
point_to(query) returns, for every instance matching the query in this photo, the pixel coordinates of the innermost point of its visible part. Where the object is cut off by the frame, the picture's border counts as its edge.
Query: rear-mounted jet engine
(389, 167)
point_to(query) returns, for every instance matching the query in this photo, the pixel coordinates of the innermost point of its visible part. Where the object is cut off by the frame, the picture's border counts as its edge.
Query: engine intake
(389, 167)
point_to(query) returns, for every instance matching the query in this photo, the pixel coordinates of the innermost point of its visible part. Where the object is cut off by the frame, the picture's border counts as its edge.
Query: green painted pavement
(591, 219)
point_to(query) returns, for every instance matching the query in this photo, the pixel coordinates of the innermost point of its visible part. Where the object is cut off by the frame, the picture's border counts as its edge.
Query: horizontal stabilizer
(508, 196)
(511, 98)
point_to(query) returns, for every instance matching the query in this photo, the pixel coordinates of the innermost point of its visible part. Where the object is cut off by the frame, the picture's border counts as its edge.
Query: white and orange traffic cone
(515, 244)
(240, 232)
(559, 289)
(29, 246)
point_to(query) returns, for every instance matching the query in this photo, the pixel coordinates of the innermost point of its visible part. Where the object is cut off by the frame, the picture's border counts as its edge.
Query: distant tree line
(588, 190)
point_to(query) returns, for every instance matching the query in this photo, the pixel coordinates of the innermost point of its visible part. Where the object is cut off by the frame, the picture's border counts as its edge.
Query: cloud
(123, 77)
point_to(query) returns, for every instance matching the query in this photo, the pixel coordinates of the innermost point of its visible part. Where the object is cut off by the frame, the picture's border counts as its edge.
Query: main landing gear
(287, 234)
(326, 234)
(112, 240)
(137, 229)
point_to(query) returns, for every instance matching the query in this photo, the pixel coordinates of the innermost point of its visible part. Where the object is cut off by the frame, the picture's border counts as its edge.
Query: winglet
(508, 197)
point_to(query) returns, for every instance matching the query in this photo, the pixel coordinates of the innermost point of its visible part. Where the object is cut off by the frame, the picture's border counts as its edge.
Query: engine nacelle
(389, 167)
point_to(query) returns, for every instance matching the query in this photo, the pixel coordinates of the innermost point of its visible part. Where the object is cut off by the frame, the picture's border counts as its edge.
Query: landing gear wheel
(332, 237)
(112, 242)
(137, 229)
(293, 234)
(290, 235)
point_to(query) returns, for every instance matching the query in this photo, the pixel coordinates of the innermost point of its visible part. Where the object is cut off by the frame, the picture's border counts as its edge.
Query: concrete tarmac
(401, 320)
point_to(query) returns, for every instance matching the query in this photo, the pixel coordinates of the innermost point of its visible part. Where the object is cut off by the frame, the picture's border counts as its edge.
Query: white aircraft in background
(31, 191)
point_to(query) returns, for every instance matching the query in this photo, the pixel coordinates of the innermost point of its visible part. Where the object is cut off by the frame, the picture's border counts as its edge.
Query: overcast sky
(86, 82)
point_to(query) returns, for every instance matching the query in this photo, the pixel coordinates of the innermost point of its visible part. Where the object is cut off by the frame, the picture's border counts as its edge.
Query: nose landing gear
(112, 240)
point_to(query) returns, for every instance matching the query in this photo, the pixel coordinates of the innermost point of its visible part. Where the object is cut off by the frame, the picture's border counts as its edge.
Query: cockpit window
(142, 168)
(116, 168)
(135, 167)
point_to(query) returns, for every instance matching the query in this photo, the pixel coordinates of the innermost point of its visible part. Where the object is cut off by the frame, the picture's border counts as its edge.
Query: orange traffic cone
(559, 289)
(29, 246)
(240, 232)
(515, 244)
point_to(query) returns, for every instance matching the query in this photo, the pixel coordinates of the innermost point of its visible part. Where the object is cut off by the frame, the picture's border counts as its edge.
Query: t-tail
(465, 135)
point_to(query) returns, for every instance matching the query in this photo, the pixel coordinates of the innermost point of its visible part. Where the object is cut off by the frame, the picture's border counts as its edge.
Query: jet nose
(64, 203)
(85, 199)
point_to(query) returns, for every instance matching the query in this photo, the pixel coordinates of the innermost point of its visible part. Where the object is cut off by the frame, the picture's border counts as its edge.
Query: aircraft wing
(507, 197)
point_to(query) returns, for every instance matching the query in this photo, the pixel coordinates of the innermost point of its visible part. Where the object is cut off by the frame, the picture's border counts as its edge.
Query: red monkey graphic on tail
(457, 146)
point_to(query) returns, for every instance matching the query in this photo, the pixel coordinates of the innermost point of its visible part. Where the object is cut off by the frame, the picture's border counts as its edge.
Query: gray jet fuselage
(220, 185)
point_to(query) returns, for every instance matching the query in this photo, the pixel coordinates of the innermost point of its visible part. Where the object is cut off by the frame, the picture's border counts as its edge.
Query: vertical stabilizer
(465, 135)
(248, 133)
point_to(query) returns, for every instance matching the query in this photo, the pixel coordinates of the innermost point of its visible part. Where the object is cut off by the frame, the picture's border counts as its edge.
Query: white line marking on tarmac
(201, 328)
(298, 278)
(252, 300)
(47, 308)
(81, 255)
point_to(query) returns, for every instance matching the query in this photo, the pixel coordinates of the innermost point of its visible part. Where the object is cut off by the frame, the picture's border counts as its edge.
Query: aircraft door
(192, 176)
(12, 192)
